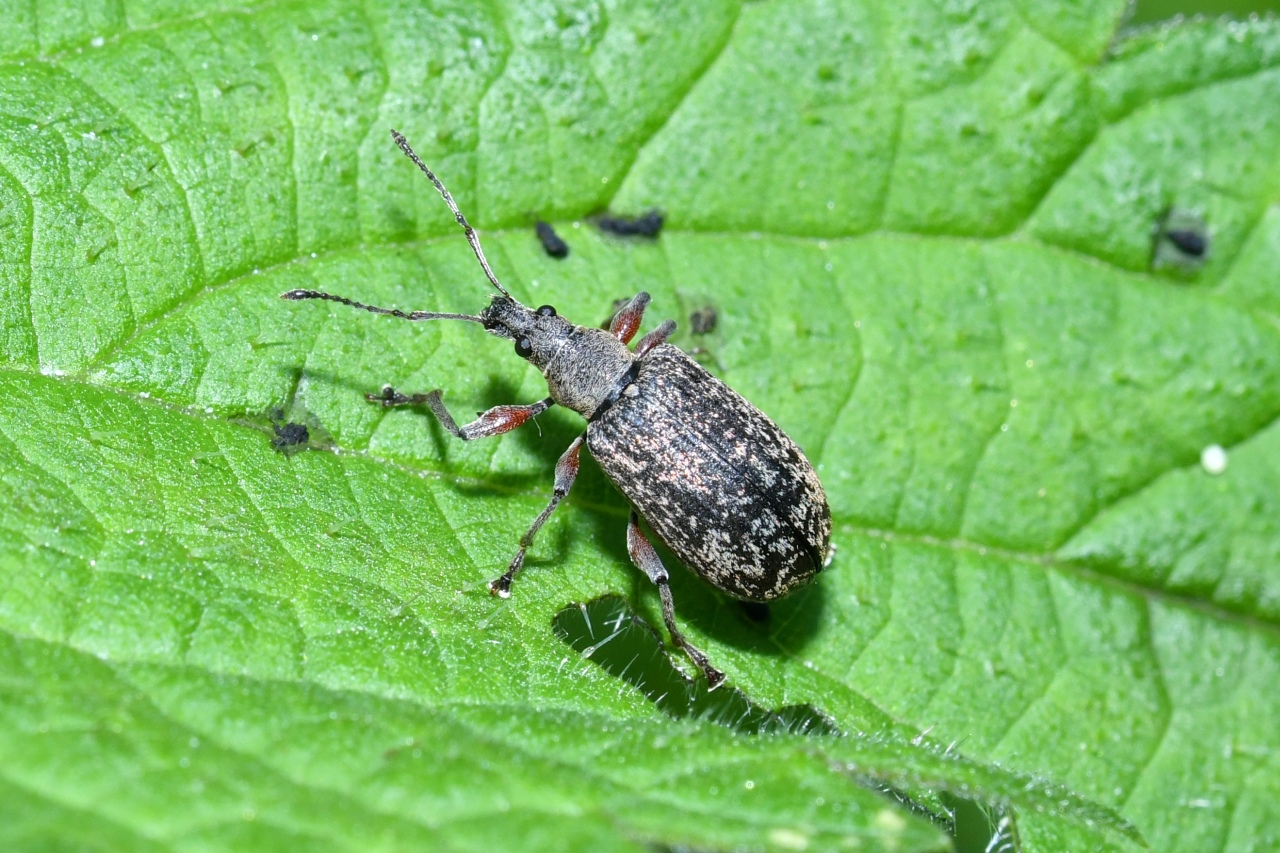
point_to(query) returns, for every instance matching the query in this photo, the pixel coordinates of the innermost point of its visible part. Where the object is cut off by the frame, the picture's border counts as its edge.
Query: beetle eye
(546, 311)
(524, 347)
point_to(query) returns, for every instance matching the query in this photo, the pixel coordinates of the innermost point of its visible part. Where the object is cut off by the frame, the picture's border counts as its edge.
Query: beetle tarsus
(501, 587)
(389, 398)
(714, 676)
(627, 320)
(496, 421)
(657, 336)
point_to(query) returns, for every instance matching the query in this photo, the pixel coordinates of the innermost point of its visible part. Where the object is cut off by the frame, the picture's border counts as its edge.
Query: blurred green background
(1149, 11)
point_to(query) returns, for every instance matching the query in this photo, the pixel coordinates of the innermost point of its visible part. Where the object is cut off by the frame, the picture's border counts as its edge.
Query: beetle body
(715, 478)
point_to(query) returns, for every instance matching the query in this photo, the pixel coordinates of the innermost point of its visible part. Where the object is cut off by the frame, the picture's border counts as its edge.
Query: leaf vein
(646, 136)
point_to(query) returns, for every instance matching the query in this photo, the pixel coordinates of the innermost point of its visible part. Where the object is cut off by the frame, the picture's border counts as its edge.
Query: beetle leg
(627, 321)
(566, 473)
(647, 559)
(389, 397)
(657, 336)
(496, 421)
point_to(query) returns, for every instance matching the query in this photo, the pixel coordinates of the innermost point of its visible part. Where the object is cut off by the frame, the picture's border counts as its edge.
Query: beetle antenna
(296, 295)
(472, 237)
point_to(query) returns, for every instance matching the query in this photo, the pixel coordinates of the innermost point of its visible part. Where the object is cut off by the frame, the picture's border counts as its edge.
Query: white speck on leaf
(789, 838)
(1213, 459)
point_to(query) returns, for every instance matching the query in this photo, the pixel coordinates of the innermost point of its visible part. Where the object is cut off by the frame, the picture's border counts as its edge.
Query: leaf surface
(934, 241)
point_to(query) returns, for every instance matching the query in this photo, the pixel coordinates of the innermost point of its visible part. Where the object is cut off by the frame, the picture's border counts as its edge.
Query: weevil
(715, 479)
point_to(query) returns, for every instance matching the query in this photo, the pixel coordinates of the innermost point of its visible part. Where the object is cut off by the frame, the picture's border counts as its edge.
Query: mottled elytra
(718, 482)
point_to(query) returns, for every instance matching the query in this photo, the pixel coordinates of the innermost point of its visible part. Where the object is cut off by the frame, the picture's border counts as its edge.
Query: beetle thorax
(587, 369)
(583, 366)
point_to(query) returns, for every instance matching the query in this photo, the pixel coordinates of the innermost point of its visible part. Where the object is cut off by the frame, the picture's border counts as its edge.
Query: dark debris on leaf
(290, 437)
(645, 225)
(1182, 242)
(290, 431)
(552, 243)
(703, 320)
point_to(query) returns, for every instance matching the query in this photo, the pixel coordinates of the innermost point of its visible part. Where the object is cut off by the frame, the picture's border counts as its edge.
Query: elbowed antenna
(472, 237)
(296, 295)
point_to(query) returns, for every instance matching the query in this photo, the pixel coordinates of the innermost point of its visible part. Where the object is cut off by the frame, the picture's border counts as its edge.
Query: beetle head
(538, 334)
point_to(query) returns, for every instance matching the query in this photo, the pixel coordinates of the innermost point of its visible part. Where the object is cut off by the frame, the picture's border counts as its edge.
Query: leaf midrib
(1047, 560)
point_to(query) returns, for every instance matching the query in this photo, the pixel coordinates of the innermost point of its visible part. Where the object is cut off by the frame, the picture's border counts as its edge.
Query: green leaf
(931, 235)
